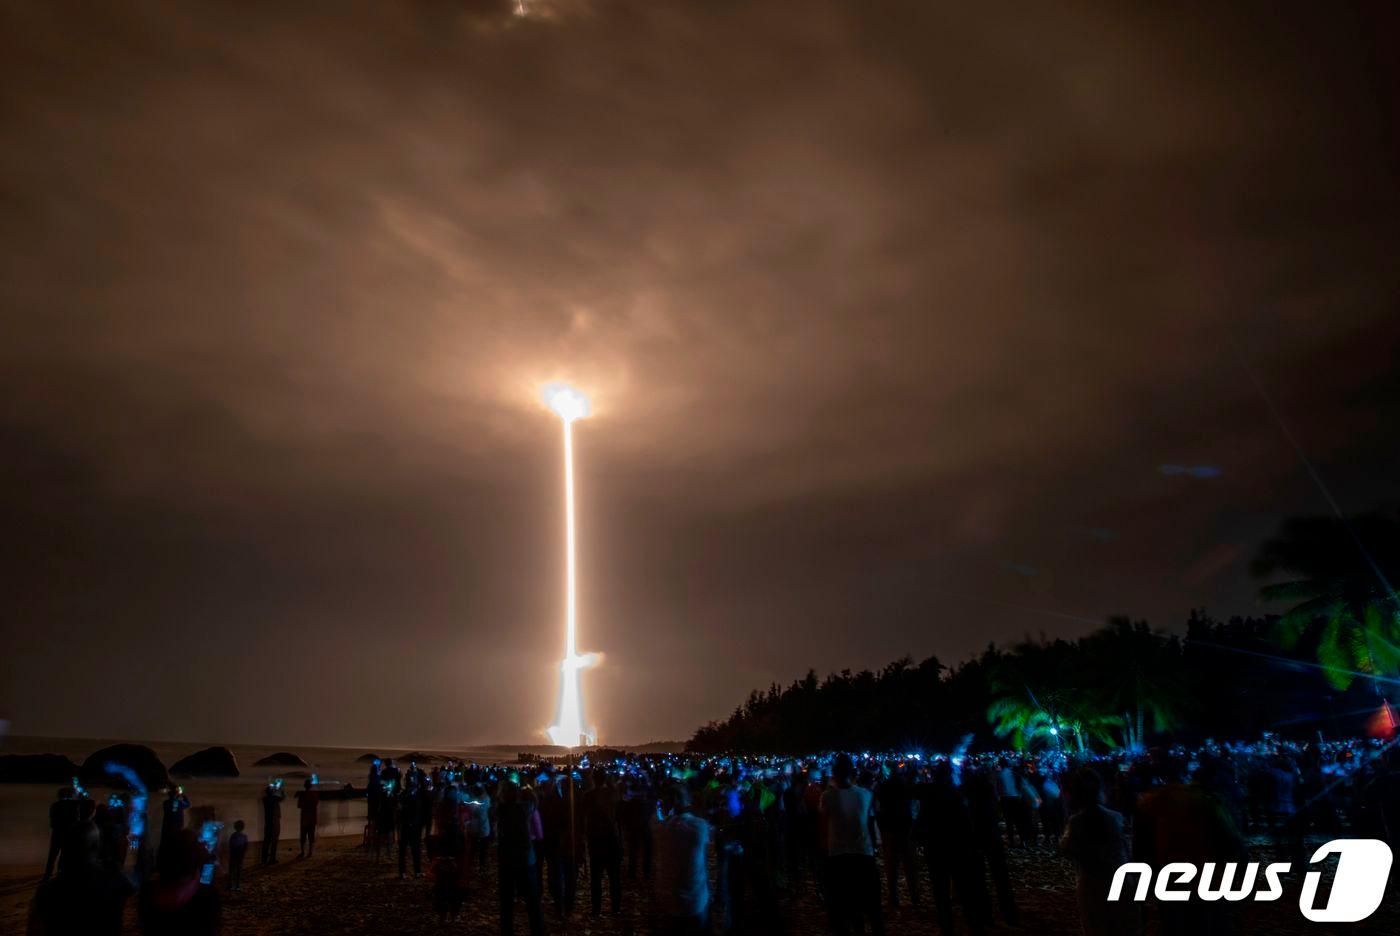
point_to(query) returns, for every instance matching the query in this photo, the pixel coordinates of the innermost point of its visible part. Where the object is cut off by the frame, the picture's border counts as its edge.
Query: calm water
(24, 823)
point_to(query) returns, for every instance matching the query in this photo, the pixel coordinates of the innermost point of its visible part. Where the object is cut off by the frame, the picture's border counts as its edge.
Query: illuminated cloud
(865, 299)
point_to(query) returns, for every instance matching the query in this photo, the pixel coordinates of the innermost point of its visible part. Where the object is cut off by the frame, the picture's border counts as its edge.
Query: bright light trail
(568, 729)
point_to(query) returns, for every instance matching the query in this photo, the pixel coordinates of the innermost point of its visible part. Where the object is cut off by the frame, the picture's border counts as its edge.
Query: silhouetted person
(896, 818)
(413, 810)
(1291, 822)
(87, 806)
(374, 789)
(1180, 822)
(945, 831)
(599, 806)
(177, 904)
(752, 878)
(518, 829)
(272, 820)
(814, 838)
(452, 869)
(384, 819)
(1052, 808)
(682, 876)
(112, 825)
(391, 779)
(853, 881)
(479, 819)
(794, 818)
(172, 820)
(1095, 843)
(85, 898)
(559, 848)
(984, 805)
(308, 803)
(63, 816)
(634, 816)
(390, 773)
(237, 849)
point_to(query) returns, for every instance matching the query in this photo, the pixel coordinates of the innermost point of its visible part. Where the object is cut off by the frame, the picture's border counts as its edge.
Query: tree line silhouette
(1325, 665)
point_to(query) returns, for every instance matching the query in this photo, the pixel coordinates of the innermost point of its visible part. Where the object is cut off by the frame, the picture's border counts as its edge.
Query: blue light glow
(137, 826)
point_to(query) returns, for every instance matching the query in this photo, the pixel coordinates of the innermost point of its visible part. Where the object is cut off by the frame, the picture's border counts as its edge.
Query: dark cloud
(869, 298)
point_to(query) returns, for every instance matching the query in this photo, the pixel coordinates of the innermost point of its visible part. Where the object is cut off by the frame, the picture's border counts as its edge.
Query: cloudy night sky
(900, 325)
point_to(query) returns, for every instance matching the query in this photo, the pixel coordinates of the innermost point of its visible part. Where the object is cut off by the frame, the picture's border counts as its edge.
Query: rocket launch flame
(569, 729)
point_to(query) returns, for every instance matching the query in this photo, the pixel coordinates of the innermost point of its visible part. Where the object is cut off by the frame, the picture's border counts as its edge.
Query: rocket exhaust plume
(569, 729)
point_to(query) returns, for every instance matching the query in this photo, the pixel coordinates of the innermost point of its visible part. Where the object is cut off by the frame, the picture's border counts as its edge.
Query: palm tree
(1037, 697)
(1018, 717)
(1050, 718)
(1340, 587)
(1138, 672)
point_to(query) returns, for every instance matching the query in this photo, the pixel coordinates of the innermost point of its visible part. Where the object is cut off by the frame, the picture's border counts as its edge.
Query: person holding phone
(272, 820)
(176, 903)
(172, 821)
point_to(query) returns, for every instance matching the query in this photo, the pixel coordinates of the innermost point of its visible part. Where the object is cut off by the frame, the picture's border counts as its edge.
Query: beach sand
(341, 891)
